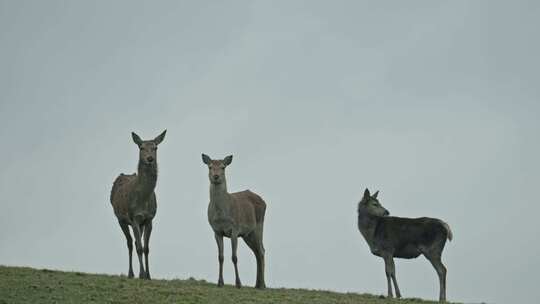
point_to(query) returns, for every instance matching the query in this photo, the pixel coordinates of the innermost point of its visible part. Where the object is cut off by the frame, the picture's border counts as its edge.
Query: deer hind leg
(125, 229)
(234, 246)
(260, 253)
(219, 241)
(260, 270)
(253, 240)
(146, 249)
(138, 246)
(435, 260)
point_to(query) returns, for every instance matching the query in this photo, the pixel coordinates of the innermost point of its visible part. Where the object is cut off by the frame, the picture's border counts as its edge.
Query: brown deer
(392, 237)
(134, 201)
(239, 214)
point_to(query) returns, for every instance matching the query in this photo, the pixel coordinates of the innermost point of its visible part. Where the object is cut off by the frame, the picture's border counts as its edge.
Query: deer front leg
(234, 245)
(219, 241)
(125, 229)
(393, 275)
(387, 267)
(146, 249)
(139, 248)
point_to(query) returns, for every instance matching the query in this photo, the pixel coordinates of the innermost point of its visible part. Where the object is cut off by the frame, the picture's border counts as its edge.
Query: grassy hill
(28, 285)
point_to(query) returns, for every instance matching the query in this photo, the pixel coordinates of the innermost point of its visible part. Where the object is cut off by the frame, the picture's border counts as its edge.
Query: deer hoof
(238, 284)
(130, 275)
(260, 286)
(220, 283)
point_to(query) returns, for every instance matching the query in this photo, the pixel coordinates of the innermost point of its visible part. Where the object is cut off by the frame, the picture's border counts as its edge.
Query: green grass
(28, 285)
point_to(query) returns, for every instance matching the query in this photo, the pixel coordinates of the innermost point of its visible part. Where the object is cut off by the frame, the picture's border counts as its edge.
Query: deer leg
(125, 229)
(146, 249)
(234, 245)
(441, 272)
(260, 270)
(254, 244)
(388, 261)
(393, 275)
(260, 257)
(219, 241)
(139, 248)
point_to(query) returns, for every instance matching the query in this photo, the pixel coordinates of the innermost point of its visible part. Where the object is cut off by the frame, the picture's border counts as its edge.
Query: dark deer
(134, 201)
(392, 237)
(239, 214)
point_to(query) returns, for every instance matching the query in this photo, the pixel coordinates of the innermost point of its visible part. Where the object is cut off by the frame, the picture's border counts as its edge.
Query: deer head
(216, 168)
(370, 205)
(148, 148)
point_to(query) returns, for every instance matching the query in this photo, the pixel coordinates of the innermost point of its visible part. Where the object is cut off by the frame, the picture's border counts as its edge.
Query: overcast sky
(434, 103)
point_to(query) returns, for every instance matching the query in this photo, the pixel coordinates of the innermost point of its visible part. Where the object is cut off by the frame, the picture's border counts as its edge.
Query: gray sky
(434, 103)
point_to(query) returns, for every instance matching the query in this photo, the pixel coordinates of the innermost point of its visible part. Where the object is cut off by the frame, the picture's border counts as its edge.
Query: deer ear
(160, 138)
(375, 194)
(366, 193)
(228, 160)
(136, 139)
(206, 159)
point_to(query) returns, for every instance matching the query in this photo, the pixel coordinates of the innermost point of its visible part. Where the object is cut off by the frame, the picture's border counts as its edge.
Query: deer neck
(219, 196)
(146, 178)
(367, 224)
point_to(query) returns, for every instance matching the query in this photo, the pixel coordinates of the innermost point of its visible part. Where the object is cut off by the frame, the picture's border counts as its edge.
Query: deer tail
(449, 234)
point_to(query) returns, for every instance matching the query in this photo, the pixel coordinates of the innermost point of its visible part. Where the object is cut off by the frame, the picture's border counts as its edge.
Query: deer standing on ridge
(392, 237)
(239, 214)
(134, 201)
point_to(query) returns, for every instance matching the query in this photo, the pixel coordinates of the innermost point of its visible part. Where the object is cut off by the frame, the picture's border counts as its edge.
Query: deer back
(250, 207)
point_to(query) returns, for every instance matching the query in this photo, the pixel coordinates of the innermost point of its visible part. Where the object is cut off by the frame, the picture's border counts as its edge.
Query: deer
(134, 201)
(233, 215)
(392, 237)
